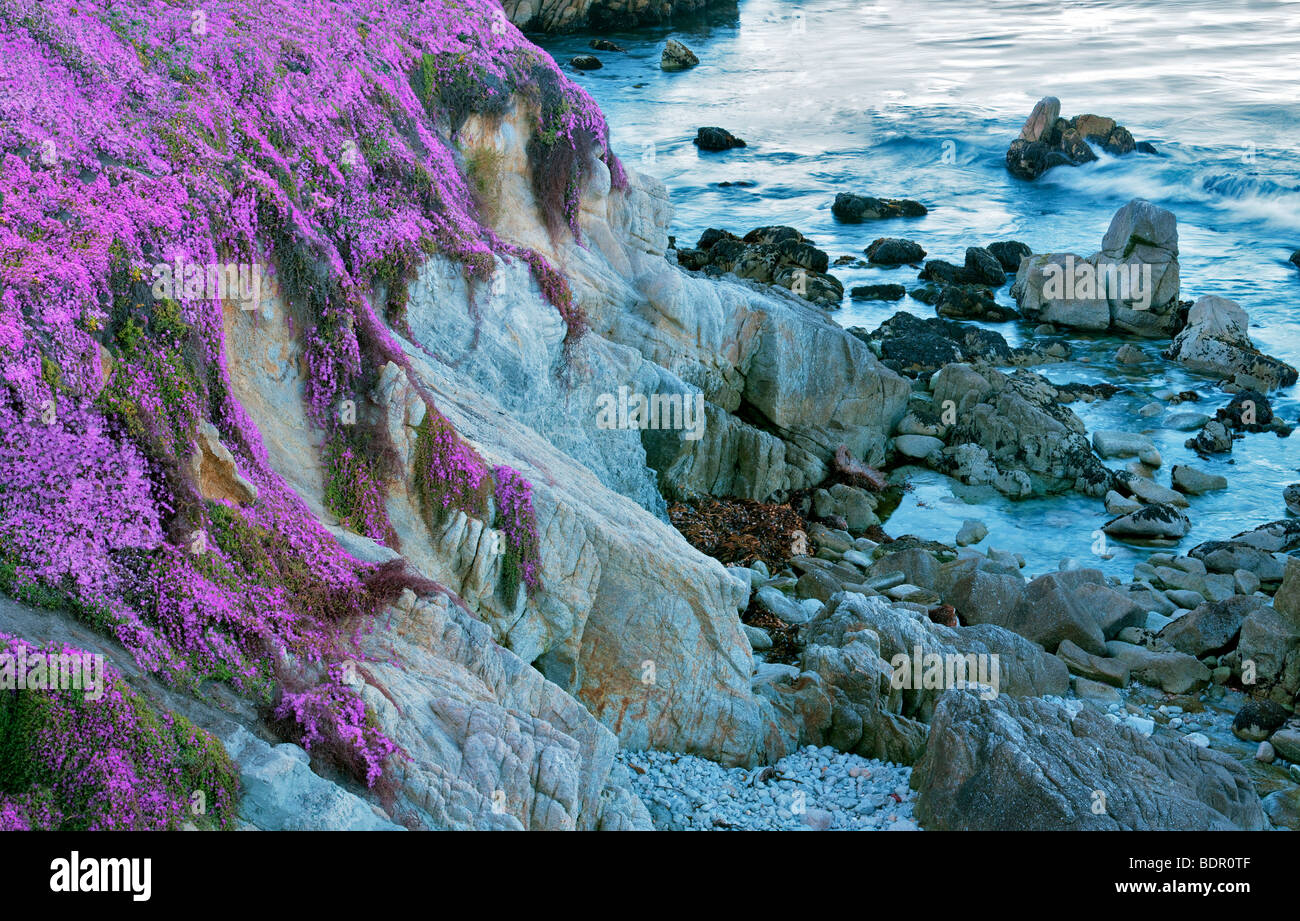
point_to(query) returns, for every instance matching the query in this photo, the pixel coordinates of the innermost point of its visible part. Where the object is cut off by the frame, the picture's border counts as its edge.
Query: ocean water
(920, 100)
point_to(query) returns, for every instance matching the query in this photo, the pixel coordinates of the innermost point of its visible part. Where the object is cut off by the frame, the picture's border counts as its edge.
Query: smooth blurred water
(920, 100)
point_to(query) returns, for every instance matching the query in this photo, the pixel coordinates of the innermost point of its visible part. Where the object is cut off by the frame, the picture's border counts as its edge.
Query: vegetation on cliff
(102, 759)
(148, 154)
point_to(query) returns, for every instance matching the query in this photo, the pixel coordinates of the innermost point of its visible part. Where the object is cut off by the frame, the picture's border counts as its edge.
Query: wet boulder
(1216, 341)
(878, 293)
(970, 302)
(714, 138)
(983, 268)
(1009, 253)
(1151, 522)
(1047, 140)
(894, 251)
(918, 347)
(855, 209)
(677, 56)
(1130, 285)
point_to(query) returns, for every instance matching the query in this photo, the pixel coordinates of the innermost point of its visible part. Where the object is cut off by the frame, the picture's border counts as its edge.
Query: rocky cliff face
(640, 627)
(632, 621)
(511, 643)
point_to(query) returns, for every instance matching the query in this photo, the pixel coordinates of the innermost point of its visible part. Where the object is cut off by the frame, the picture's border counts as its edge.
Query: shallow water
(920, 100)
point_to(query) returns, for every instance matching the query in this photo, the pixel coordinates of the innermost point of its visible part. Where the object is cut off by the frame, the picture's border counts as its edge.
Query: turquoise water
(920, 100)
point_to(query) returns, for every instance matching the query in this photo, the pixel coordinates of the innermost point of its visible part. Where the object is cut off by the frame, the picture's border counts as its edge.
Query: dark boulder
(692, 258)
(713, 235)
(894, 251)
(714, 138)
(971, 302)
(1009, 253)
(775, 233)
(983, 268)
(878, 293)
(771, 255)
(945, 273)
(792, 247)
(726, 253)
(1258, 719)
(759, 262)
(804, 254)
(1247, 411)
(854, 209)
(917, 346)
(1030, 159)
(823, 290)
(586, 62)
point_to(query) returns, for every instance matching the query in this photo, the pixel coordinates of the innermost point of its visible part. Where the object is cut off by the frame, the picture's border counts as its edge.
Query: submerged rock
(1126, 444)
(878, 293)
(1195, 482)
(854, 209)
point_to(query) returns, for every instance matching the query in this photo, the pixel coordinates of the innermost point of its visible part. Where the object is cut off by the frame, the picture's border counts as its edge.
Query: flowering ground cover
(313, 139)
(72, 760)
